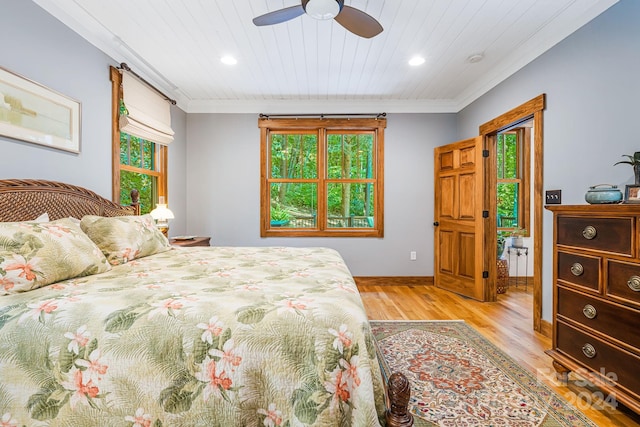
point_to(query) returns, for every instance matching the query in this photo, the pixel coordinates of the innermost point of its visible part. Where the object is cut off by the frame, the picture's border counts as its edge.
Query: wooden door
(458, 221)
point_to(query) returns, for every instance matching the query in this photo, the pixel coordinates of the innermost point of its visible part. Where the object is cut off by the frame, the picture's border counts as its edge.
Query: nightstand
(196, 241)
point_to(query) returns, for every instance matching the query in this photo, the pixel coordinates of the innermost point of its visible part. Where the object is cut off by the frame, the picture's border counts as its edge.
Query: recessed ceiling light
(229, 60)
(476, 57)
(416, 60)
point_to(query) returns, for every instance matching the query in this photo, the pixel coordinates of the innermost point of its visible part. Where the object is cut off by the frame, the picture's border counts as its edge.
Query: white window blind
(148, 114)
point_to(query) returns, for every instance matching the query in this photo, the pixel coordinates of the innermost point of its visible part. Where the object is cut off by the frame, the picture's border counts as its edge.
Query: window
(139, 168)
(513, 157)
(137, 163)
(322, 177)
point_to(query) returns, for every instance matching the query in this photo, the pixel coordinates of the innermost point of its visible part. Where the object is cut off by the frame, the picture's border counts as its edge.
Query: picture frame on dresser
(632, 193)
(33, 113)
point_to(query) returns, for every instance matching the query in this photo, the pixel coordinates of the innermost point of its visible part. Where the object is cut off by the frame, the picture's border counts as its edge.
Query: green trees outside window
(322, 180)
(138, 158)
(512, 179)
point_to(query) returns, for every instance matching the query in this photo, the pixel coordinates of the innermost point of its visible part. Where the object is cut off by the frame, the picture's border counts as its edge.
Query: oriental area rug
(459, 378)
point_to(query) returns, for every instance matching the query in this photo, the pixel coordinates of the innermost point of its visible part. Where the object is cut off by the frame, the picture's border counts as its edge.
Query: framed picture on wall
(34, 113)
(632, 194)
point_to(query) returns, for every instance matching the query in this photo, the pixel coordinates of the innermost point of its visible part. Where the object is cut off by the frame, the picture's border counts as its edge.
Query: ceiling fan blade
(358, 22)
(278, 16)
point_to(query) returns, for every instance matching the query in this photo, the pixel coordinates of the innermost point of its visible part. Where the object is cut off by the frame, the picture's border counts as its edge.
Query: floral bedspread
(219, 336)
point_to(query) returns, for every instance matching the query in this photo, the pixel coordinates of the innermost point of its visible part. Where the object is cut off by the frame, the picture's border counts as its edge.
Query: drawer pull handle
(634, 283)
(577, 269)
(589, 351)
(589, 311)
(589, 232)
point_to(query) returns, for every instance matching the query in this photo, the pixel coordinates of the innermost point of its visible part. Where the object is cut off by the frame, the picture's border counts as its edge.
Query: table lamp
(161, 214)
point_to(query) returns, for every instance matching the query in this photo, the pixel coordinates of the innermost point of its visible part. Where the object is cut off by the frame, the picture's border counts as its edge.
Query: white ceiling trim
(288, 106)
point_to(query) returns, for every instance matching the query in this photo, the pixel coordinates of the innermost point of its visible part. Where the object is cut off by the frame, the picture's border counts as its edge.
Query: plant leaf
(251, 315)
(174, 400)
(42, 408)
(120, 320)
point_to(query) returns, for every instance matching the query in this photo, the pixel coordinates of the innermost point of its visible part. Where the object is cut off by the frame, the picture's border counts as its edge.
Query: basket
(502, 276)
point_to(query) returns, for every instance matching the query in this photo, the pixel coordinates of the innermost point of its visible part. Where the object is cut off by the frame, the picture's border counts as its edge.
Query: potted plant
(517, 237)
(279, 216)
(634, 161)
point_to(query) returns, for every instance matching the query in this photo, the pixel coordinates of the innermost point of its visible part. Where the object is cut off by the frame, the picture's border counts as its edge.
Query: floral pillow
(124, 238)
(35, 254)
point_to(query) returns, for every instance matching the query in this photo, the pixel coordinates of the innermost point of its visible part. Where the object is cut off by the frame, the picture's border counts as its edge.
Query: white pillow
(42, 218)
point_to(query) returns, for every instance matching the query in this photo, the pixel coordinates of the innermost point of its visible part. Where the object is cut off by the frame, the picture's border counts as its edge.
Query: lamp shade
(161, 212)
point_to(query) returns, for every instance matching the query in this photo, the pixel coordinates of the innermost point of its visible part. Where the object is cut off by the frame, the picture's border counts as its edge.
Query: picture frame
(34, 113)
(632, 194)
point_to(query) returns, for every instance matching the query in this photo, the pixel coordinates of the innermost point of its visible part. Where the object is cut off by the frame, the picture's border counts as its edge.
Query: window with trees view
(322, 177)
(513, 158)
(137, 163)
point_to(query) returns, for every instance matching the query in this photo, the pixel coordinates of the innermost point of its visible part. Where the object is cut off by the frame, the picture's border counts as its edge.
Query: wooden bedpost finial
(399, 392)
(135, 200)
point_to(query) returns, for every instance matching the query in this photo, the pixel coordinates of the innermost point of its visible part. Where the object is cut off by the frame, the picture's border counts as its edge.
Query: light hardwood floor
(506, 323)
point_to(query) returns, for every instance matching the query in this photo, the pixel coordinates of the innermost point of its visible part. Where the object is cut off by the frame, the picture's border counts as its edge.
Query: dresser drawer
(623, 281)
(606, 359)
(602, 234)
(612, 320)
(580, 270)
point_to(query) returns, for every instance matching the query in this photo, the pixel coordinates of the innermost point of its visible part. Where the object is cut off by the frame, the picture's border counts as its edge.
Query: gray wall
(223, 198)
(40, 48)
(591, 82)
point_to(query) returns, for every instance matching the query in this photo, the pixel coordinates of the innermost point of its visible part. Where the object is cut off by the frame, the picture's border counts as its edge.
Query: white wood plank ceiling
(305, 65)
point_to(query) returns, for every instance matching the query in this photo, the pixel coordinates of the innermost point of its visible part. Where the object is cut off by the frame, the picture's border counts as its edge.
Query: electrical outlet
(412, 255)
(553, 197)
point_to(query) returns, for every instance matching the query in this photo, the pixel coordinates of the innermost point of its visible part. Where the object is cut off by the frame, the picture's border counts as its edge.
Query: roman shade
(147, 115)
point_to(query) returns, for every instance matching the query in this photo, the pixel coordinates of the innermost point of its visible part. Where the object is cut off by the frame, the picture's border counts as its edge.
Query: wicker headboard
(26, 199)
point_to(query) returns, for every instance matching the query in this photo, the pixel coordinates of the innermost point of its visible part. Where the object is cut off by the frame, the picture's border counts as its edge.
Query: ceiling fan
(354, 20)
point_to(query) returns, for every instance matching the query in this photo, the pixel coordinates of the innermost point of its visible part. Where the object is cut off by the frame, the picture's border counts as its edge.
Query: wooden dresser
(596, 297)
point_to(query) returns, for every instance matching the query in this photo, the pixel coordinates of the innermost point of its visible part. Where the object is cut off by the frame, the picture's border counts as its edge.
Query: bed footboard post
(398, 393)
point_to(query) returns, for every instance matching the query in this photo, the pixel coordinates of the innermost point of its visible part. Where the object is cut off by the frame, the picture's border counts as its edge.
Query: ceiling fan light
(322, 9)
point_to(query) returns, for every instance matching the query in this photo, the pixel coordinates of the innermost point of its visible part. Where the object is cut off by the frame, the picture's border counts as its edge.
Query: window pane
(148, 155)
(293, 205)
(135, 152)
(507, 156)
(294, 156)
(350, 156)
(124, 148)
(508, 205)
(146, 186)
(350, 205)
(500, 156)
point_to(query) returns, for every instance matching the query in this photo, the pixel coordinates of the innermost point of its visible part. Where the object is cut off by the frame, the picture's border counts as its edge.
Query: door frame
(530, 109)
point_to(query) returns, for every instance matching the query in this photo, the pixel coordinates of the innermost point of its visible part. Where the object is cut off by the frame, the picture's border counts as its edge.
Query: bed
(103, 323)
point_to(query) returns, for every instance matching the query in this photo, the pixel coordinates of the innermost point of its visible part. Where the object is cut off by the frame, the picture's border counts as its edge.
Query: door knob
(436, 223)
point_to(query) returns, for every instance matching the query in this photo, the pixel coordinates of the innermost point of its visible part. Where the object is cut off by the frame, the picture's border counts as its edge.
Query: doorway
(531, 110)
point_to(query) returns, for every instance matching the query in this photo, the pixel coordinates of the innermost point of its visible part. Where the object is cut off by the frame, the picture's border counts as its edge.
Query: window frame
(523, 138)
(160, 151)
(322, 126)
